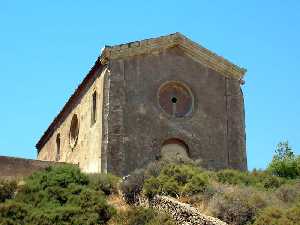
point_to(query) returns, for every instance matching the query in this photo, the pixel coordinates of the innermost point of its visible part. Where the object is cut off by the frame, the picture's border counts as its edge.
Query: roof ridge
(193, 49)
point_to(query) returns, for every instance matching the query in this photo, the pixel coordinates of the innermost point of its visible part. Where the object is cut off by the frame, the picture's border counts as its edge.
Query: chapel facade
(150, 99)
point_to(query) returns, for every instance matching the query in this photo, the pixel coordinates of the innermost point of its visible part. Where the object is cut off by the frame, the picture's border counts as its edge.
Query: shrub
(288, 193)
(13, 213)
(177, 180)
(7, 189)
(285, 163)
(153, 169)
(261, 179)
(238, 206)
(266, 180)
(270, 216)
(169, 186)
(151, 187)
(197, 184)
(279, 216)
(180, 172)
(59, 195)
(107, 183)
(60, 176)
(132, 186)
(233, 177)
(142, 216)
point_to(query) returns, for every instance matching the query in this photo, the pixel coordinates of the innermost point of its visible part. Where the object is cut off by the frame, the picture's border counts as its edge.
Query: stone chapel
(150, 99)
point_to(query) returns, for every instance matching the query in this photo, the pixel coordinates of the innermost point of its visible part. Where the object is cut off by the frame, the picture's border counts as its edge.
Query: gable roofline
(147, 46)
(191, 48)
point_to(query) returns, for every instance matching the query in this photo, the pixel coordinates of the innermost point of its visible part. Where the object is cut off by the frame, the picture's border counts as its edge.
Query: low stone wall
(17, 168)
(182, 213)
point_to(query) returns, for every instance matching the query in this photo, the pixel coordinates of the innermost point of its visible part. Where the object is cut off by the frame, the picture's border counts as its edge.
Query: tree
(285, 163)
(284, 151)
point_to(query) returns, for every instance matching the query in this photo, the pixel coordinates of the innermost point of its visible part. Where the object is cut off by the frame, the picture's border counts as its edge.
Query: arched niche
(175, 150)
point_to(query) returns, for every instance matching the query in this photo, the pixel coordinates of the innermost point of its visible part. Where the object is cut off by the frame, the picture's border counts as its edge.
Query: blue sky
(47, 47)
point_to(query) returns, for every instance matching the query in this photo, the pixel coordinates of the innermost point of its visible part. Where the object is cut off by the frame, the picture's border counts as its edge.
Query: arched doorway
(175, 150)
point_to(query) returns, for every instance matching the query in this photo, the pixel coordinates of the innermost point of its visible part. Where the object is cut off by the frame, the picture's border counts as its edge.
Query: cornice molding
(192, 49)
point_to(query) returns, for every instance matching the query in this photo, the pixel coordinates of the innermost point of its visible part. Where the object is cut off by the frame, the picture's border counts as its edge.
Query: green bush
(142, 216)
(266, 180)
(151, 187)
(177, 180)
(180, 172)
(13, 213)
(7, 189)
(107, 183)
(169, 186)
(197, 184)
(234, 177)
(58, 195)
(285, 163)
(260, 179)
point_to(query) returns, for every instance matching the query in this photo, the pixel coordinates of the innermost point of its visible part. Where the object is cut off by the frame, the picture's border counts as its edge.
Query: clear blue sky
(47, 47)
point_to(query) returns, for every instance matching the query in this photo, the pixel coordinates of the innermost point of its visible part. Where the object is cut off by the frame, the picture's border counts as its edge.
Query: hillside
(64, 195)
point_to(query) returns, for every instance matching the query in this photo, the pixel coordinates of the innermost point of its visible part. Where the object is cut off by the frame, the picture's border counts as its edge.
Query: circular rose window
(74, 131)
(175, 99)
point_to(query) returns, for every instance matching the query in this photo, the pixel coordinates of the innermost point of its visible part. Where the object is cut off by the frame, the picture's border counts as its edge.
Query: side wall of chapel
(85, 149)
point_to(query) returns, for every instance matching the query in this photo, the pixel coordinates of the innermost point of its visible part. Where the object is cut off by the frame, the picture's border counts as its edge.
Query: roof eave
(99, 62)
(193, 49)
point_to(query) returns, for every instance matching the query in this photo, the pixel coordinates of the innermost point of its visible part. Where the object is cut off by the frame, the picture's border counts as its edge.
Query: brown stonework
(149, 92)
(17, 168)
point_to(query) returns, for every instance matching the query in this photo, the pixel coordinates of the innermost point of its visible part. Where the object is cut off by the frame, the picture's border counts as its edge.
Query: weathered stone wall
(87, 152)
(138, 127)
(17, 168)
(235, 132)
(135, 115)
(182, 213)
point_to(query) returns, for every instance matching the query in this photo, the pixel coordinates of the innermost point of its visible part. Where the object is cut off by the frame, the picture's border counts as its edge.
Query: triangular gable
(194, 50)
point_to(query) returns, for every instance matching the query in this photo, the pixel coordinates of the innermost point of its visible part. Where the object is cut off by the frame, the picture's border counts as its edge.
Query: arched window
(58, 147)
(74, 131)
(94, 108)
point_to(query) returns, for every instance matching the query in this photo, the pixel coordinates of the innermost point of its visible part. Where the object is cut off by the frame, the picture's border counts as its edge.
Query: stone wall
(138, 127)
(182, 213)
(17, 168)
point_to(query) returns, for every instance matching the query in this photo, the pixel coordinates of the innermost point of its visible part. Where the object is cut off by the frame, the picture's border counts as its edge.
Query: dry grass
(117, 201)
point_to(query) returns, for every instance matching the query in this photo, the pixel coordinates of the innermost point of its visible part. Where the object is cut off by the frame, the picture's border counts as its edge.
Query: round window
(74, 131)
(175, 99)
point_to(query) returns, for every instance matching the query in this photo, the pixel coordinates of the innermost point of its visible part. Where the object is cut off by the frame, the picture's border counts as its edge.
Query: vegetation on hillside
(259, 197)
(142, 216)
(285, 163)
(64, 195)
(59, 195)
